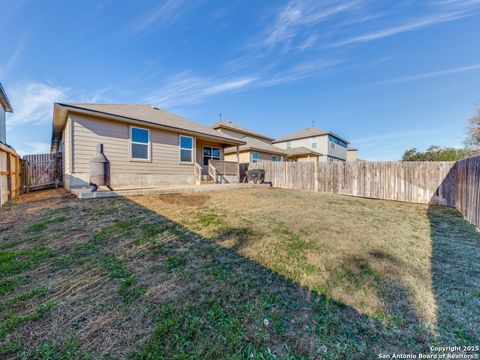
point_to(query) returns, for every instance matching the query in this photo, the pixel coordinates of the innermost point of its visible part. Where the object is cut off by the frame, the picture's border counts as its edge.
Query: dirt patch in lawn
(234, 274)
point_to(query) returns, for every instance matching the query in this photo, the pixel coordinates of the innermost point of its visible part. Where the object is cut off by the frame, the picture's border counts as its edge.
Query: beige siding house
(328, 146)
(257, 147)
(4, 108)
(145, 146)
(352, 154)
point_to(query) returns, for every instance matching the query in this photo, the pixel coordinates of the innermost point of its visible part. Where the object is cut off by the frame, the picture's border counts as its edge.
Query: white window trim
(149, 145)
(252, 159)
(211, 148)
(180, 149)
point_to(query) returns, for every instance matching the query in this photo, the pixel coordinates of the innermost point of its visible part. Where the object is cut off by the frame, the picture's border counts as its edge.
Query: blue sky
(386, 75)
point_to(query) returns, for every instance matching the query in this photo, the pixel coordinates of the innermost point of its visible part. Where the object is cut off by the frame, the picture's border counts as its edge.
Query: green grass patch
(174, 262)
(13, 320)
(15, 261)
(11, 301)
(7, 285)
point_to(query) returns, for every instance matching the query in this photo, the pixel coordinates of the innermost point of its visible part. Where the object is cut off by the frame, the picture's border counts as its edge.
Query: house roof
(352, 149)
(256, 145)
(306, 133)
(301, 150)
(227, 124)
(136, 113)
(4, 100)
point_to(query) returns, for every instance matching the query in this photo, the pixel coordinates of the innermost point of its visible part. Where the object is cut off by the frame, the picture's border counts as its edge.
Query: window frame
(252, 159)
(211, 153)
(148, 144)
(180, 149)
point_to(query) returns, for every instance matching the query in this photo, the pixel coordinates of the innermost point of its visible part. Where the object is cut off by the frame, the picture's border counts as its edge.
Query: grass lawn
(262, 274)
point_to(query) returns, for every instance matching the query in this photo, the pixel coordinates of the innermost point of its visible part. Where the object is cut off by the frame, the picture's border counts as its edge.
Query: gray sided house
(4, 108)
(144, 145)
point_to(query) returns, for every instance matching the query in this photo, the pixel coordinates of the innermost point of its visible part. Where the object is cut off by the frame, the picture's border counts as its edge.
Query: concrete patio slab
(86, 193)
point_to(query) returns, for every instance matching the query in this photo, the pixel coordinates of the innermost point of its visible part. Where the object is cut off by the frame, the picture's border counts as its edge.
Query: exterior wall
(323, 147)
(245, 156)
(164, 166)
(3, 126)
(352, 155)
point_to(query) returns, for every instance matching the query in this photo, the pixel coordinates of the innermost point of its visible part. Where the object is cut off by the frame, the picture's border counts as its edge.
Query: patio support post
(238, 163)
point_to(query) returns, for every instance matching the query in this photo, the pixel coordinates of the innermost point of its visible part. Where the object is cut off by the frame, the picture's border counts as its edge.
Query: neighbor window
(186, 149)
(337, 141)
(313, 142)
(139, 143)
(274, 158)
(254, 157)
(289, 144)
(210, 152)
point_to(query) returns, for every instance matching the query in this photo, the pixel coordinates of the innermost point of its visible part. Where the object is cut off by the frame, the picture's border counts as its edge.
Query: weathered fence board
(10, 174)
(42, 171)
(467, 188)
(418, 182)
(435, 183)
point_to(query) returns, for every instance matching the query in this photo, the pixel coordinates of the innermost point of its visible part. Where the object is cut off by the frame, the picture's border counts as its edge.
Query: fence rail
(10, 174)
(435, 183)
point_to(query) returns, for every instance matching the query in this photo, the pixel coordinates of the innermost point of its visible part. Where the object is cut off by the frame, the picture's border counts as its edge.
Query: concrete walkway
(86, 193)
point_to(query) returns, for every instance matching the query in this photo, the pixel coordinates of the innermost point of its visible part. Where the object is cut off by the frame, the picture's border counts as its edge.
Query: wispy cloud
(33, 103)
(167, 13)
(293, 19)
(428, 75)
(12, 61)
(406, 27)
(188, 88)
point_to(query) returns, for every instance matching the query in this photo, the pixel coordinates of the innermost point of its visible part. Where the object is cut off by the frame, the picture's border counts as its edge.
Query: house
(323, 145)
(4, 108)
(145, 146)
(257, 147)
(352, 154)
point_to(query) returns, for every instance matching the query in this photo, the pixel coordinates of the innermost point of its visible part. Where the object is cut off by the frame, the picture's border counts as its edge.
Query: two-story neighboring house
(4, 108)
(258, 147)
(312, 144)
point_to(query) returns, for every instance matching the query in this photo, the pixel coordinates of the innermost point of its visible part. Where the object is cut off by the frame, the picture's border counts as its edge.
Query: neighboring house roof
(301, 150)
(4, 100)
(136, 113)
(306, 133)
(352, 149)
(254, 144)
(227, 124)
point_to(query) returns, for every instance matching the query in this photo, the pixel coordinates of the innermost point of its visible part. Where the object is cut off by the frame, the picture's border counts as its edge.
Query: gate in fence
(42, 171)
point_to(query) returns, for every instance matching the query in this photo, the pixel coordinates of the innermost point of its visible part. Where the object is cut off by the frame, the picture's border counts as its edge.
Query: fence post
(315, 175)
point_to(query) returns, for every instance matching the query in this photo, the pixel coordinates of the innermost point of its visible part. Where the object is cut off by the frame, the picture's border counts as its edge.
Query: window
(254, 157)
(289, 144)
(332, 146)
(313, 142)
(139, 143)
(186, 149)
(210, 153)
(274, 158)
(334, 140)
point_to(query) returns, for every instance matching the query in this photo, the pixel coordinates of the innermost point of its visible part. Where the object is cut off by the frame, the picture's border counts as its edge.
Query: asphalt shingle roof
(227, 124)
(306, 133)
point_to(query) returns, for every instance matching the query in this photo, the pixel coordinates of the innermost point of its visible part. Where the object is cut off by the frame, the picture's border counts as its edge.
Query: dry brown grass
(196, 275)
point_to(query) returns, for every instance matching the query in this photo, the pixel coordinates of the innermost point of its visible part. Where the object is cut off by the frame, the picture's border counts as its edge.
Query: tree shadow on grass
(455, 277)
(137, 284)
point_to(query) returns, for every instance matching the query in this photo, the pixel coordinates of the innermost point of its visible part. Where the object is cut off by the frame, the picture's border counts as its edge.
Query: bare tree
(473, 129)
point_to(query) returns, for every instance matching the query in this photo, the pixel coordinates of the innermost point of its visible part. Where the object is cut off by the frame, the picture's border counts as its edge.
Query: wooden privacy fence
(10, 174)
(42, 171)
(436, 183)
(466, 178)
